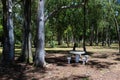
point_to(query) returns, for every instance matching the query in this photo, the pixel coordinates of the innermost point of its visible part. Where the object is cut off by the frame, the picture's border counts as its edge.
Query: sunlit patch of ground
(88, 48)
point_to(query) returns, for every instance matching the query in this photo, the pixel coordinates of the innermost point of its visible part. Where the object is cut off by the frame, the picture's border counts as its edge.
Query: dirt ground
(103, 64)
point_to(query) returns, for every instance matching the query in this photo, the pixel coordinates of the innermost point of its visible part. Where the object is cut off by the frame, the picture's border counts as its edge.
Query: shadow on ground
(76, 78)
(61, 60)
(57, 51)
(99, 65)
(73, 77)
(116, 54)
(101, 56)
(89, 53)
(14, 72)
(117, 59)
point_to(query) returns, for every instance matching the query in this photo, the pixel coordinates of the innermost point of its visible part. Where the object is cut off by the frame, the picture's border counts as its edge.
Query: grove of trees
(47, 23)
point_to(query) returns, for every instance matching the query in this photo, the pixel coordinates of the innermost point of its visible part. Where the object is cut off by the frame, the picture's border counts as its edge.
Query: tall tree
(8, 43)
(26, 46)
(84, 29)
(40, 52)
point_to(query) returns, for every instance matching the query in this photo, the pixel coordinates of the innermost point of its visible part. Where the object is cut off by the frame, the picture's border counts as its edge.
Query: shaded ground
(103, 64)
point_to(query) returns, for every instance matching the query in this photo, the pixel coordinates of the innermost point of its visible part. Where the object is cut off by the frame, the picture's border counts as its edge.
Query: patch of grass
(112, 46)
(17, 46)
(17, 52)
(85, 78)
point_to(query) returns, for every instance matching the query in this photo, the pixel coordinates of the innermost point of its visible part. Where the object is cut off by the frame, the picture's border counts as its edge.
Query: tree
(40, 52)
(8, 43)
(26, 45)
(84, 29)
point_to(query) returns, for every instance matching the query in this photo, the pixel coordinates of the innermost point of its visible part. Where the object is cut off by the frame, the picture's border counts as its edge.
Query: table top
(77, 52)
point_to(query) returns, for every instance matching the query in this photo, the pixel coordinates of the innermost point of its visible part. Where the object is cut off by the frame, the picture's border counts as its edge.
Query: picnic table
(78, 56)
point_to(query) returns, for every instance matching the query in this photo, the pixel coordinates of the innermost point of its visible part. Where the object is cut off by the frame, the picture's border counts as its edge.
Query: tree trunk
(118, 33)
(84, 29)
(26, 45)
(67, 40)
(108, 36)
(59, 37)
(8, 43)
(103, 42)
(97, 37)
(40, 52)
(74, 46)
(92, 35)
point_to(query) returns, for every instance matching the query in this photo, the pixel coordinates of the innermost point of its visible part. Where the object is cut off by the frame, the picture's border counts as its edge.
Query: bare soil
(103, 64)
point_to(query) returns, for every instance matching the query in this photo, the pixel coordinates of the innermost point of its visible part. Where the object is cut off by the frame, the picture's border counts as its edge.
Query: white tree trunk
(40, 52)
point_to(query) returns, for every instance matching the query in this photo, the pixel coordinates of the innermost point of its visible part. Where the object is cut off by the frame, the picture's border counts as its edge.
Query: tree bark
(59, 36)
(103, 41)
(92, 35)
(97, 37)
(74, 46)
(40, 52)
(84, 29)
(67, 40)
(26, 44)
(118, 33)
(8, 43)
(108, 36)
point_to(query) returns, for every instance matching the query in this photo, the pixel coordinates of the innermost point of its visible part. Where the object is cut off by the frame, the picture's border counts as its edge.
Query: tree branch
(65, 7)
(17, 2)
